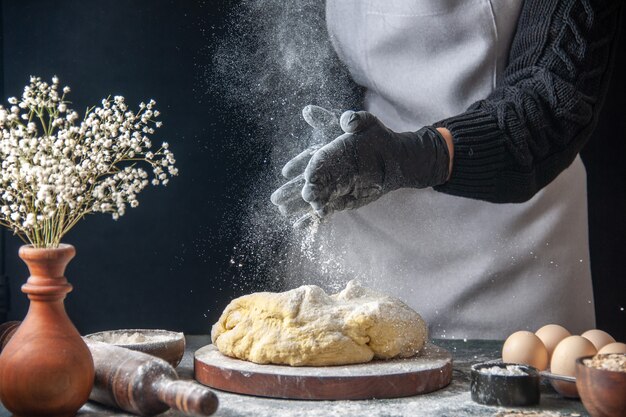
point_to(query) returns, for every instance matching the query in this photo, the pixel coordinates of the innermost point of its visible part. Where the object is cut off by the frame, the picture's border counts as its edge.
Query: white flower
(60, 171)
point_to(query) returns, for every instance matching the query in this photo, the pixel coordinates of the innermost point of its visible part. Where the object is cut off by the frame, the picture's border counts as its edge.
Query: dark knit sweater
(511, 144)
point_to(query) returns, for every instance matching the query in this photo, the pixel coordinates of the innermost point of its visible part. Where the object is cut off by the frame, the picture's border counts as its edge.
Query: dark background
(166, 264)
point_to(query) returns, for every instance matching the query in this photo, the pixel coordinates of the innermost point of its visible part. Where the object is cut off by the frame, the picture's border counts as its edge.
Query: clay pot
(46, 368)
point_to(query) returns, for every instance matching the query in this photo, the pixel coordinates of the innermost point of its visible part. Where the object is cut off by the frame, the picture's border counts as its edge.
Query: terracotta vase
(46, 368)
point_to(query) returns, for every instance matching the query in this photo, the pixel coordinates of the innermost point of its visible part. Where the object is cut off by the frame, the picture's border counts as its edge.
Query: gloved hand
(288, 198)
(370, 160)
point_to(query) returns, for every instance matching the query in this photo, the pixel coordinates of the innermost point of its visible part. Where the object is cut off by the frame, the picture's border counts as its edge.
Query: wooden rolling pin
(145, 385)
(137, 382)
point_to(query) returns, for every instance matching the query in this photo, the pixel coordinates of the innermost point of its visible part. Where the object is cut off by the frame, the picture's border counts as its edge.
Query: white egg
(616, 347)
(567, 351)
(551, 335)
(526, 348)
(599, 338)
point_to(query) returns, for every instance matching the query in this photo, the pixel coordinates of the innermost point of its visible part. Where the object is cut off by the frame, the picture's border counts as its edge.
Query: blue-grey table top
(452, 401)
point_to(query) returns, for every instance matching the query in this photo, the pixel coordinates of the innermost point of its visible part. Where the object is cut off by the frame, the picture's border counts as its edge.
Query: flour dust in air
(275, 59)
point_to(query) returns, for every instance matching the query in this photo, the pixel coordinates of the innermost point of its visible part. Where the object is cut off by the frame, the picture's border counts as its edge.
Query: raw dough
(307, 327)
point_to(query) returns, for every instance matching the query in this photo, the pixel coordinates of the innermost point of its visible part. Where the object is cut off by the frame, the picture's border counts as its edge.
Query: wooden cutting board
(429, 371)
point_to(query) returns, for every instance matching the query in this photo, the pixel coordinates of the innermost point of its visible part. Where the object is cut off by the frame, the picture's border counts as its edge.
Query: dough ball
(307, 327)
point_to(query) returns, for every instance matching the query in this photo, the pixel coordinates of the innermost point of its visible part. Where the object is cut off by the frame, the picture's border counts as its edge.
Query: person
(459, 187)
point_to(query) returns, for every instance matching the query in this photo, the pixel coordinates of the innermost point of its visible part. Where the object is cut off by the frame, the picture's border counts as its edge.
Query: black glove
(370, 160)
(288, 198)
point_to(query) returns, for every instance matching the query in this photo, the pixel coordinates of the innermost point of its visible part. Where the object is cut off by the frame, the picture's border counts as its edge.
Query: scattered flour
(517, 413)
(132, 338)
(275, 59)
(510, 370)
(431, 357)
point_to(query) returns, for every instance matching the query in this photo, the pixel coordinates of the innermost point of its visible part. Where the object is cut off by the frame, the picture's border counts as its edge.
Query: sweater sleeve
(511, 144)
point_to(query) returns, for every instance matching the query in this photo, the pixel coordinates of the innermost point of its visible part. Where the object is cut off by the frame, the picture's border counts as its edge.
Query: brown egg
(616, 347)
(525, 348)
(565, 354)
(551, 335)
(598, 338)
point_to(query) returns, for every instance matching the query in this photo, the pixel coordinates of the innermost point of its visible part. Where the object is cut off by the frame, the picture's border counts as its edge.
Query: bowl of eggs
(554, 350)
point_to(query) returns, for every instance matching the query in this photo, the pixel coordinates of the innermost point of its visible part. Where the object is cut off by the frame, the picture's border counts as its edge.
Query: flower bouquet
(56, 168)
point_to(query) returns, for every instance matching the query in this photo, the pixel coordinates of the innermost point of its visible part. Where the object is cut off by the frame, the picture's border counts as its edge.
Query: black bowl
(505, 390)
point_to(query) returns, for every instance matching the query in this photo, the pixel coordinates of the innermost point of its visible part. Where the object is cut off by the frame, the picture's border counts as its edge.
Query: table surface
(452, 401)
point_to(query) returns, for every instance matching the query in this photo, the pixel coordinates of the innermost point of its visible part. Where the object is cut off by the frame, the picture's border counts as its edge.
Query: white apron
(473, 269)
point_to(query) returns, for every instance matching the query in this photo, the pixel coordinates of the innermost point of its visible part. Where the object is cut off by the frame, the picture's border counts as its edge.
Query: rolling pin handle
(188, 397)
